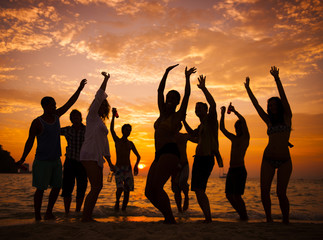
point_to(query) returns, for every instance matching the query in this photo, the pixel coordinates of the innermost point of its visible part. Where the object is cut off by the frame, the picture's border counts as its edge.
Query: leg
(186, 201)
(283, 175)
(53, 195)
(81, 180)
(178, 200)
(158, 175)
(38, 199)
(266, 178)
(177, 192)
(203, 201)
(67, 204)
(95, 175)
(125, 199)
(240, 207)
(68, 184)
(118, 195)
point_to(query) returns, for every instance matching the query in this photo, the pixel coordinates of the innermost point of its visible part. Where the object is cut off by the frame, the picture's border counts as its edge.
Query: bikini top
(278, 129)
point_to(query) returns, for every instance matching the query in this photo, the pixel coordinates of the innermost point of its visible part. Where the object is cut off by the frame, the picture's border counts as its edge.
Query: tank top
(49, 142)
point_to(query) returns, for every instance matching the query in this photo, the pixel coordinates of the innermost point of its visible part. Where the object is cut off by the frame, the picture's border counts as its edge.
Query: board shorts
(124, 178)
(201, 171)
(47, 174)
(236, 180)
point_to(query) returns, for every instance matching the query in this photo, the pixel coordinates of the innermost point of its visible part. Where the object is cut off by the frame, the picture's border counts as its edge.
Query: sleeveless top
(49, 142)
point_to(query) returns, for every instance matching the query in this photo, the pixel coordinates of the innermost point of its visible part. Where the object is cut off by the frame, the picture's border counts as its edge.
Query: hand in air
(274, 71)
(222, 110)
(246, 84)
(106, 75)
(201, 80)
(171, 67)
(190, 71)
(82, 84)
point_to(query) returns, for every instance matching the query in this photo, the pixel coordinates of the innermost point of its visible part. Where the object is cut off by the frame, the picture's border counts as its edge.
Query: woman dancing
(96, 147)
(276, 155)
(167, 156)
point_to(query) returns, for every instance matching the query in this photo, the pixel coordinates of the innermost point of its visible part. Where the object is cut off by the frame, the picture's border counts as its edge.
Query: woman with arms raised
(167, 156)
(276, 155)
(96, 147)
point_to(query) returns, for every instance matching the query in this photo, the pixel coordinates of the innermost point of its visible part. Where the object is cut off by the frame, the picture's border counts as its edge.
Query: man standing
(47, 166)
(207, 148)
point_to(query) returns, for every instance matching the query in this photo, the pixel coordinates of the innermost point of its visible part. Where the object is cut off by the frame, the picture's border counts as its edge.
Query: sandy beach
(156, 230)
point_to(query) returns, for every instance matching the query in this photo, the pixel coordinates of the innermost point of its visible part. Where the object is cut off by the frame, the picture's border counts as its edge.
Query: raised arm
(183, 108)
(60, 111)
(261, 112)
(274, 71)
(113, 133)
(222, 125)
(207, 94)
(105, 81)
(161, 88)
(243, 121)
(135, 169)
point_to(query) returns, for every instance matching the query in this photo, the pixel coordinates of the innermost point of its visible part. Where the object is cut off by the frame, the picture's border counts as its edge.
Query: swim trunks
(124, 178)
(202, 168)
(236, 180)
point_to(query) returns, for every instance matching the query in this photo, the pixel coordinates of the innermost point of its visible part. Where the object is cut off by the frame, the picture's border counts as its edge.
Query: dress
(95, 145)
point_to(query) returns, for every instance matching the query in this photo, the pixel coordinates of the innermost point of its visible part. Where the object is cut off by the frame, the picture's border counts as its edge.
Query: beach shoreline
(157, 230)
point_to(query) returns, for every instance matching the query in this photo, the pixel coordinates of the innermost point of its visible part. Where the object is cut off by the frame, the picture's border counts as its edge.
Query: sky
(48, 47)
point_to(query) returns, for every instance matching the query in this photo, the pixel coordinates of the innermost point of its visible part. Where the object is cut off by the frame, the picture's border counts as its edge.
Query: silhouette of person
(207, 148)
(237, 174)
(96, 147)
(47, 165)
(276, 155)
(73, 168)
(167, 156)
(179, 180)
(123, 169)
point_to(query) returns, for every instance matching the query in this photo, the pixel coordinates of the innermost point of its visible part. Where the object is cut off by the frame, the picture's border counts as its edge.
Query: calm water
(306, 199)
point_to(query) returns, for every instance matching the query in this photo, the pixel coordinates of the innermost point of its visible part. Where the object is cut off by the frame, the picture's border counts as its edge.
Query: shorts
(202, 168)
(124, 178)
(74, 169)
(236, 180)
(179, 182)
(47, 174)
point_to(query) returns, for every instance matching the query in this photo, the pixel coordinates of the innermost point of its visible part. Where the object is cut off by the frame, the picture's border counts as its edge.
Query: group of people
(88, 147)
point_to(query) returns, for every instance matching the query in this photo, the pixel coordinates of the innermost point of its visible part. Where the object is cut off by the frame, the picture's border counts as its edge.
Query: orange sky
(47, 47)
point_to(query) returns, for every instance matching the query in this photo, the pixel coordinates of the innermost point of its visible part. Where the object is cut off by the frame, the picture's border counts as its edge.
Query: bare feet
(49, 216)
(116, 207)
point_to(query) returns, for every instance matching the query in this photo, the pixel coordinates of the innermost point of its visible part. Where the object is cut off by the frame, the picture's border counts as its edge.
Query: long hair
(277, 118)
(105, 113)
(106, 109)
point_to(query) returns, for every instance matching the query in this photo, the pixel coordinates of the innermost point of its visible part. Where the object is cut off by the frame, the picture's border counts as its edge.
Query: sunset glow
(141, 166)
(48, 47)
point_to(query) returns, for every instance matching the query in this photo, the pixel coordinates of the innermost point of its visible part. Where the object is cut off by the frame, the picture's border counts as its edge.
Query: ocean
(305, 196)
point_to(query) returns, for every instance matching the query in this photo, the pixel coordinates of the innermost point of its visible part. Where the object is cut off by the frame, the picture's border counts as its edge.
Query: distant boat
(222, 174)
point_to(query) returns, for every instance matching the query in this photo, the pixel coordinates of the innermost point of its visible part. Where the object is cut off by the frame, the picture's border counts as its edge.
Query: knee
(229, 196)
(281, 194)
(149, 193)
(96, 188)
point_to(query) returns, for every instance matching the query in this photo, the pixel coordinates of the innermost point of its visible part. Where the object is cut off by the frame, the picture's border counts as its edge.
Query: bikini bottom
(168, 148)
(276, 162)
